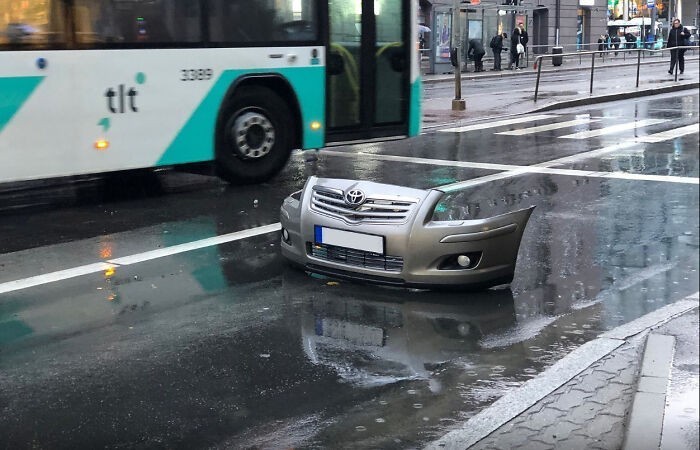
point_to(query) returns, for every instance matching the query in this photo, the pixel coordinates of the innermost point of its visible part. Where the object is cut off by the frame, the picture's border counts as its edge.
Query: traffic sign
(651, 3)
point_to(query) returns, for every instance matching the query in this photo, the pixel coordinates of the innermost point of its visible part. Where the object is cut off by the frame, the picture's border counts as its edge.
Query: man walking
(677, 37)
(497, 47)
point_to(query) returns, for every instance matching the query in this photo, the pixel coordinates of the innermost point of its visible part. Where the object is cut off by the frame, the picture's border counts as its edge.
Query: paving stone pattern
(588, 412)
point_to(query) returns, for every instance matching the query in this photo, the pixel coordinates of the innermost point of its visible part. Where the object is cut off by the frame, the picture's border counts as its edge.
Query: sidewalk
(554, 93)
(592, 408)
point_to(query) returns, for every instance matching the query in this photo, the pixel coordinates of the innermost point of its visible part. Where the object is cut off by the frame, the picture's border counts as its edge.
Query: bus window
(262, 21)
(154, 22)
(32, 23)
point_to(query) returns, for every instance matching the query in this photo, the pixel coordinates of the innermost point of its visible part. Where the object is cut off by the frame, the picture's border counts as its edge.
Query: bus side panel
(149, 107)
(195, 141)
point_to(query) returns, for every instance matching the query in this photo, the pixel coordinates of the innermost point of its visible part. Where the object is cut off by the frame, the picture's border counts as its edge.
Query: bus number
(196, 74)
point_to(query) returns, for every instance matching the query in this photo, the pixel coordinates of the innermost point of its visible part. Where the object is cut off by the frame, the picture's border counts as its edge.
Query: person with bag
(677, 37)
(518, 41)
(497, 47)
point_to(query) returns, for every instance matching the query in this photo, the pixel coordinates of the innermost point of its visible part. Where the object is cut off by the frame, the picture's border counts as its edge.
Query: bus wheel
(254, 136)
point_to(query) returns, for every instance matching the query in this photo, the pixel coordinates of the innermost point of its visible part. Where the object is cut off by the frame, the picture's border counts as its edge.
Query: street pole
(557, 22)
(458, 104)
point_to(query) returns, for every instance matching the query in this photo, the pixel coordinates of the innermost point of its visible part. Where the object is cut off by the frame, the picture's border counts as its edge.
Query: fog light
(463, 260)
(285, 235)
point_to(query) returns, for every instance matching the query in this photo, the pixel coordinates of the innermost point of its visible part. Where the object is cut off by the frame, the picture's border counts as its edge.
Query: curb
(617, 96)
(519, 400)
(647, 417)
(515, 73)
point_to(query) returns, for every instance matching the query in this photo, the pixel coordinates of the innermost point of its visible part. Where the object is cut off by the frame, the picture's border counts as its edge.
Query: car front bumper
(391, 237)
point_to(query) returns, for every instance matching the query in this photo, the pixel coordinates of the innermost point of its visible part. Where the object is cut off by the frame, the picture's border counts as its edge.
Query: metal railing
(639, 51)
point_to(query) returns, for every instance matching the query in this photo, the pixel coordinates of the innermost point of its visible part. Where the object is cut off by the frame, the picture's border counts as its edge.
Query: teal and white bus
(92, 86)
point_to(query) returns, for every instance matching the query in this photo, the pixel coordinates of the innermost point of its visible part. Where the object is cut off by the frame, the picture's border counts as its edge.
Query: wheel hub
(253, 135)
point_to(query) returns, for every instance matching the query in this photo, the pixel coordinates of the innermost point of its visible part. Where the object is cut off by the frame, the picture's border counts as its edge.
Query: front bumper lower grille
(357, 258)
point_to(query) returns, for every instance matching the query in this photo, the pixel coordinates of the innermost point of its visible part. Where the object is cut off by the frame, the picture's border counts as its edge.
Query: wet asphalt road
(228, 347)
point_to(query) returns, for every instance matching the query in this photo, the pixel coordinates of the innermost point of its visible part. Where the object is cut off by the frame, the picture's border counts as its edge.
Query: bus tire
(254, 136)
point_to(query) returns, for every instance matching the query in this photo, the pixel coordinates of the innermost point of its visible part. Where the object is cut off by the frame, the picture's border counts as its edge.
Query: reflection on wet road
(227, 347)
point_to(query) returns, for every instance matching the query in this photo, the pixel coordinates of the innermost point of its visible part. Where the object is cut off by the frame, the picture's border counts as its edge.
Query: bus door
(368, 69)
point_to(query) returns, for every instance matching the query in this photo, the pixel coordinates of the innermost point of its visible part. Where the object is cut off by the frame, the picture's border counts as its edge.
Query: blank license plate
(349, 239)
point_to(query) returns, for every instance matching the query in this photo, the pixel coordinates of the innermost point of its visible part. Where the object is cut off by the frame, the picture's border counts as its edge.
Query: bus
(94, 86)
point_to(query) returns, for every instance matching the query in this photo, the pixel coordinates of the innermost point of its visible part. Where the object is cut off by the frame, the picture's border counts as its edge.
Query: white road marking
(553, 126)
(498, 123)
(60, 275)
(670, 134)
(87, 269)
(189, 246)
(613, 129)
(509, 170)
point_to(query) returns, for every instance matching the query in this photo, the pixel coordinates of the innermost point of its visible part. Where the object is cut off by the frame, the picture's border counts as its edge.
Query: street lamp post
(458, 104)
(557, 22)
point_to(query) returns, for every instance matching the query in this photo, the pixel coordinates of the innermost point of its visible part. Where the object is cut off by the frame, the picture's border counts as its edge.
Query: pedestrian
(630, 41)
(615, 42)
(518, 41)
(677, 37)
(476, 51)
(497, 47)
(601, 44)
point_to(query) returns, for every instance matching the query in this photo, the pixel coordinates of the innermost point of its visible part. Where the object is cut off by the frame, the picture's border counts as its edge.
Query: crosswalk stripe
(553, 126)
(498, 123)
(670, 134)
(613, 129)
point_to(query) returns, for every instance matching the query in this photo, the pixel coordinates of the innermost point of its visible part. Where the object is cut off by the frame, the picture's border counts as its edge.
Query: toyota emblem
(355, 197)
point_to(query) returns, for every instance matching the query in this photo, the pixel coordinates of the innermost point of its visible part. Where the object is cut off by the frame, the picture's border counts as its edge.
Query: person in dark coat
(601, 43)
(630, 41)
(615, 42)
(497, 47)
(677, 37)
(476, 51)
(519, 36)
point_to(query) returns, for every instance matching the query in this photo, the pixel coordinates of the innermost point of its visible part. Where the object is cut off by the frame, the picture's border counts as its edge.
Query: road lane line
(60, 275)
(553, 126)
(498, 123)
(87, 269)
(670, 134)
(613, 129)
(195, 245)
(509, 171)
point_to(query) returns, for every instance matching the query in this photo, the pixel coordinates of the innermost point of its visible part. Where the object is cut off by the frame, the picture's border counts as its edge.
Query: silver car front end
(386, 234)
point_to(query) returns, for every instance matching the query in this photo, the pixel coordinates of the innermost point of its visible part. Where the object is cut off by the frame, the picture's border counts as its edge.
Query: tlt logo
(118, 99)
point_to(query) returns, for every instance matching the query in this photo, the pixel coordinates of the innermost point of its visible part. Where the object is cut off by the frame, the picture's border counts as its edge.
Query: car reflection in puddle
(380, 341)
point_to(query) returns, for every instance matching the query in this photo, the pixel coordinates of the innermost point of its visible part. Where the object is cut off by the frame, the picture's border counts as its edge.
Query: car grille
(377, 209)
(357, 258)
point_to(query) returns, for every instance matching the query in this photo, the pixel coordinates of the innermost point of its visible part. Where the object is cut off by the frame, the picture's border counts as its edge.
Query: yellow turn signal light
(101, 144)
(315, 125)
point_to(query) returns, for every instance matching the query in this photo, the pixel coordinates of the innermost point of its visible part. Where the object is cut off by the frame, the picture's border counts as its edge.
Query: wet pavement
(226, 346)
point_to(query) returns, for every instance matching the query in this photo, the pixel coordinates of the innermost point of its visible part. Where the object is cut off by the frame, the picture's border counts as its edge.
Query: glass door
(368, 66)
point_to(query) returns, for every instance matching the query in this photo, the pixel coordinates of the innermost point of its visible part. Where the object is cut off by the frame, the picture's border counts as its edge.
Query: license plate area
(349, 239)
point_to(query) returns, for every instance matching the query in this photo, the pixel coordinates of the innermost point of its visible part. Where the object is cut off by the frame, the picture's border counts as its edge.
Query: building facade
(580, 24)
